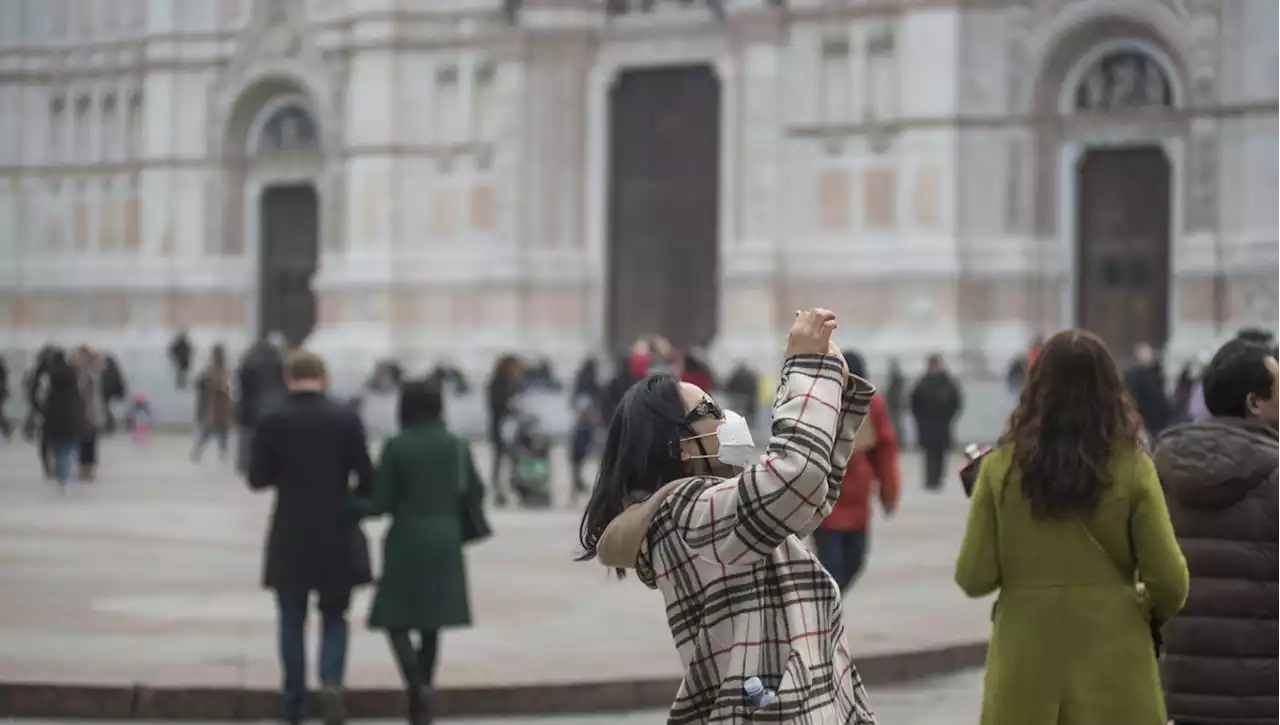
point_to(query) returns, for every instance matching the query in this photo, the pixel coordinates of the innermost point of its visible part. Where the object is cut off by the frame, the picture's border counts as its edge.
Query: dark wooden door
(1122, 246)
(290, 255)
(664, 206)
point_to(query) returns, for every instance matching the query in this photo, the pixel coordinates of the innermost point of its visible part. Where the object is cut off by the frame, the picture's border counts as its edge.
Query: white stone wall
(880, 164)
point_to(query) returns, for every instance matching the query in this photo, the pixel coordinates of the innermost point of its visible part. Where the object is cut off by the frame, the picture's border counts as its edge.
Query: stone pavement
(148, 579)
(946, 700)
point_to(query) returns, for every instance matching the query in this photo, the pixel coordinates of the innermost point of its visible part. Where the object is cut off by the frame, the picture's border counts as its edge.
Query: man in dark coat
(935, 403)
(308, 450)
(1146, 384)
(180, 355)
(1220, 479)
(6, 429)
(260, 378)
(62, 415)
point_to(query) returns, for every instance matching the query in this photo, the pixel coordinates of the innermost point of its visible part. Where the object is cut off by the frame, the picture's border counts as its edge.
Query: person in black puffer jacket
(1220, 479)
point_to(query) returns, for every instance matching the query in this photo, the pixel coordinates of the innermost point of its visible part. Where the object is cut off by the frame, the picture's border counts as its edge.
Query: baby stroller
(530, 452)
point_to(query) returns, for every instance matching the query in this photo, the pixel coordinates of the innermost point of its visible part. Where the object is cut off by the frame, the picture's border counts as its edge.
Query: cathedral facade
(449, 179)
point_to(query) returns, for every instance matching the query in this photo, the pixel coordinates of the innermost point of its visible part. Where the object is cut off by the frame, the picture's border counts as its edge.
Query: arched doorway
(284, 156)
(663, 205)
(1119, 201)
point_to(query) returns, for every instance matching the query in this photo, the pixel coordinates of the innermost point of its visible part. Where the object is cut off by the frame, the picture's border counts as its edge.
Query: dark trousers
(842, 554)
(934, 459)
(292, 607)
(417, 664)
(89, 451)
(500, 458)
(45, 449)
(221, 434)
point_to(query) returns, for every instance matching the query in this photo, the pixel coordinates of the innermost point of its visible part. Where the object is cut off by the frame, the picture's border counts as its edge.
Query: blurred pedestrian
(262, 390)
(424, 475)
(214, 405)
(1146, 383)
(843, 539)
(89, 369)
(936, 402)
(308, 450)
(506, 381)
(1220, 479)
(6, 428)
(62, 415)
(114, 389)
(684, 499)
(1065, 510)
(180, 352)
(895, 398)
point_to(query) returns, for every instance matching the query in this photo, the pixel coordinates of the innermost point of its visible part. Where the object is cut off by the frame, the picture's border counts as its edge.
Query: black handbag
(475, 527)
(1139, 594)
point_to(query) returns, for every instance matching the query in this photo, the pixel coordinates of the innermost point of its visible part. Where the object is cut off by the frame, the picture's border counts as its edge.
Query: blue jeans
(202, 439)
(64, 460)
(842, 553)
(292, 606)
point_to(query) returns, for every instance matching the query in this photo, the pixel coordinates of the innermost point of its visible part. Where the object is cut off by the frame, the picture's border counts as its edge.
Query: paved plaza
(150, 576)
(947, 700)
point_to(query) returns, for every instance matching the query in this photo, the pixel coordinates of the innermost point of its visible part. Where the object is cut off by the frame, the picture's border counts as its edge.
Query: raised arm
(741, 520)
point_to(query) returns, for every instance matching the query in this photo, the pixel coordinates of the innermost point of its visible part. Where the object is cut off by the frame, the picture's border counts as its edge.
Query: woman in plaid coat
(745, 600)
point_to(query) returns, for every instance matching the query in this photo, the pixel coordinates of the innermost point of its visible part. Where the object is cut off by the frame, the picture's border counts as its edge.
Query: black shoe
(333, 709)
(421, 709)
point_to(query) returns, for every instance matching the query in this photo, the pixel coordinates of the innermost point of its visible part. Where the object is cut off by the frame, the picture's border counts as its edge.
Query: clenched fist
(811, 332)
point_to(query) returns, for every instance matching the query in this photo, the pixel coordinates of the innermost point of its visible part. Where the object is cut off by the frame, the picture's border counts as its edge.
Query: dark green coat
(420, 480)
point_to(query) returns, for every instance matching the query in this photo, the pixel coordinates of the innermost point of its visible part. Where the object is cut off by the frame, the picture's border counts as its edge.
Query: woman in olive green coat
(423, 475)
(1065, 504)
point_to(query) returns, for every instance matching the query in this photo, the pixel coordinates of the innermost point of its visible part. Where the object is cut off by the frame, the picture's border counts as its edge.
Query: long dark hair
(641, 453)
(1073, 416)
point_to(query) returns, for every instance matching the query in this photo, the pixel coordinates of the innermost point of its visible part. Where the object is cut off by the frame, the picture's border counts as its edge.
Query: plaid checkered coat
(744, 596)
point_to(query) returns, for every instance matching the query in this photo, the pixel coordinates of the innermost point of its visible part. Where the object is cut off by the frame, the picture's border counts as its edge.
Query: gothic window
(288, 128)
(110, 139)
(1124, 80)
(837, 79)
(83, 127)
(58, 129)
(133, 126)
(483, 98)
(448, 98)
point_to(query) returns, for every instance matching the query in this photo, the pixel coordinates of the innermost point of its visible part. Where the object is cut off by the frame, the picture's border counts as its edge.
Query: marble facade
(905, 162)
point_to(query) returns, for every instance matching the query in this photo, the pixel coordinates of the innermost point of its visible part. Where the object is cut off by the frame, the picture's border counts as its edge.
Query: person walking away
(424, 475)
(36, 387)
(505, 382)
(262, 389)
(1219, 477)
(114, 389)
(743, 390)
(6, 428)
(843, 538)
(307, 451)
(895, 398)
(1145, 381)
(936, 401)
(1065, 510)
(180, 351)
(685, 500)
(213, 405)
(88, 364)
(62, 414)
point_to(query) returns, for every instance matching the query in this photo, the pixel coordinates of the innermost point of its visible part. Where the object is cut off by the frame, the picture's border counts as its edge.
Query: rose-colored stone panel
(833, 199)
(880, 198)
(925, 202)
(483, 213)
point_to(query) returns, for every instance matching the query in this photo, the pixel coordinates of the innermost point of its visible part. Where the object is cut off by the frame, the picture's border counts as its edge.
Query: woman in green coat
(1065, 511)
(423, 474)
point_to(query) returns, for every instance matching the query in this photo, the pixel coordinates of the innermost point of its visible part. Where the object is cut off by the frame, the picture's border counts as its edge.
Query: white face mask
(736, 447)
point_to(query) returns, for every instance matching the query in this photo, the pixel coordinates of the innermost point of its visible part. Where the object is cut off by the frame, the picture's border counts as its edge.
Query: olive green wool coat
(1070, 641)
(421, 478)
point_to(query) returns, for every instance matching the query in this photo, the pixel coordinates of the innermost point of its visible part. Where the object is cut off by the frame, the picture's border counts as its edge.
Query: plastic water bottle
(755, 691)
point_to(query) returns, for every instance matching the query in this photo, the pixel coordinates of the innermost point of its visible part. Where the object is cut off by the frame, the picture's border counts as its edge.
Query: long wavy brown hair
(1073, 416)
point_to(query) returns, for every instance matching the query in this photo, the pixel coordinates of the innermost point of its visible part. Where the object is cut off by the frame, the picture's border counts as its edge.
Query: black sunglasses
(705, 408)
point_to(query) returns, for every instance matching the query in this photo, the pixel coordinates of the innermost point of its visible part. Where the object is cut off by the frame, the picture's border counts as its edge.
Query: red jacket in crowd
(877, 464)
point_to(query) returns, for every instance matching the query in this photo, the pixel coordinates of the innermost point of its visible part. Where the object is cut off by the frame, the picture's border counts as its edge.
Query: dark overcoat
(311, 451)
(422, 476)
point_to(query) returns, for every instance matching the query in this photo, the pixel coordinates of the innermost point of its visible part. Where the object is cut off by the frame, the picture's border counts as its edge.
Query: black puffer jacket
(1219, 477)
